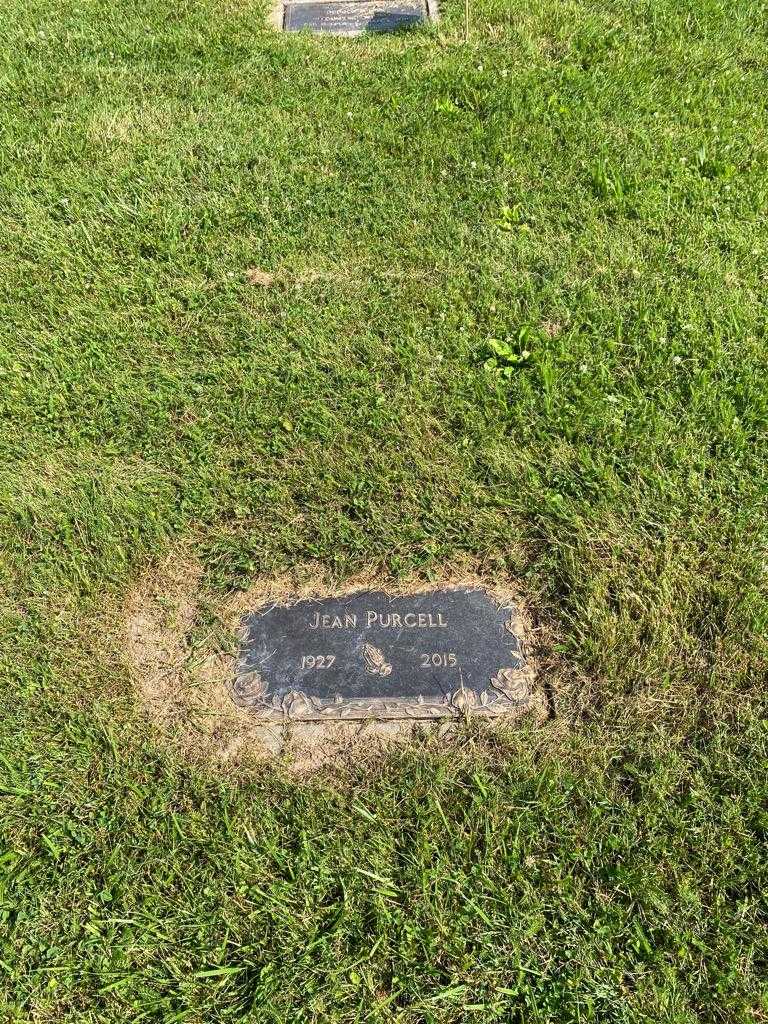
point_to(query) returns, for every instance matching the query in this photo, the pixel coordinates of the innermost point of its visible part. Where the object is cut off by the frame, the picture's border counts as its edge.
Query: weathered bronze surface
(433, 654)
(352, 17)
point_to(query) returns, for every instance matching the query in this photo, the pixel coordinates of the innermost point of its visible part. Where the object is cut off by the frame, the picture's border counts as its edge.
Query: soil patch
(182, 645)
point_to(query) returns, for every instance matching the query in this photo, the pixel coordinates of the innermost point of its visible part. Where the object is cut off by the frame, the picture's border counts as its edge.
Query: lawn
(404, 306)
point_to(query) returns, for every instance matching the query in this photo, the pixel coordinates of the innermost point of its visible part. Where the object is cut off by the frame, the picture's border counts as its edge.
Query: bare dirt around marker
(181, 643)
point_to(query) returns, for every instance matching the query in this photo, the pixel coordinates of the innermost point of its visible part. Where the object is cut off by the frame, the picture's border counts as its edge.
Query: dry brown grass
(181, 643)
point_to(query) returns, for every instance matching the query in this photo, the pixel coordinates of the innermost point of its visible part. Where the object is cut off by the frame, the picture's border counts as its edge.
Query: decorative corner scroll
(248, 687)
(514, 683)
(514, 625)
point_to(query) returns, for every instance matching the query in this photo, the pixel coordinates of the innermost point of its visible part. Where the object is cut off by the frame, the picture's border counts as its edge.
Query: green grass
(625, 887)
(517, 318)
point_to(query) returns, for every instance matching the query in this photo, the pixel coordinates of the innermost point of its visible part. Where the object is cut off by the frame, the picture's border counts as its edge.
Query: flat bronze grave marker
(353, 17)
(432, 654)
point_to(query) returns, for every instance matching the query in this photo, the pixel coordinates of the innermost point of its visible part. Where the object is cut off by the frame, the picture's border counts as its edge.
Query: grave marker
(433, 654)
(353, 17)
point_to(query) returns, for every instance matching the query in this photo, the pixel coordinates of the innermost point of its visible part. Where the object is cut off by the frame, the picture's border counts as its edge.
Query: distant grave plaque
(433, 654)
(353, 17)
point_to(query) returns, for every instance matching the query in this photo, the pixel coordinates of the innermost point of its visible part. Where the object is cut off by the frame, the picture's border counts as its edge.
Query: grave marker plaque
(352, 17)
(432, 654)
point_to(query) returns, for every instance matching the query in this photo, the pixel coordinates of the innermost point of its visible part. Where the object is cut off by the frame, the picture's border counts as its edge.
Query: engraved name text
(382, 620)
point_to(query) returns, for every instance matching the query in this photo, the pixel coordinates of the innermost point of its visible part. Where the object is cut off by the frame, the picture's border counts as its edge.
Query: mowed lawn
(398, 305)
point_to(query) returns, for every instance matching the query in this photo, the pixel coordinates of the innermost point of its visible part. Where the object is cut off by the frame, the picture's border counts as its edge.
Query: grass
(627, 887)
(514, 314)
